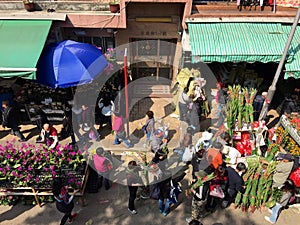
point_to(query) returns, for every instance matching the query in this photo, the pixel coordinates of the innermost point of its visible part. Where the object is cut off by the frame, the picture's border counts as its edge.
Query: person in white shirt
(205, 141)
(232, 153)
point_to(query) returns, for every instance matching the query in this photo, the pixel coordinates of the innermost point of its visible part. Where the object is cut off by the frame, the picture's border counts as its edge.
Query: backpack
(155, 193)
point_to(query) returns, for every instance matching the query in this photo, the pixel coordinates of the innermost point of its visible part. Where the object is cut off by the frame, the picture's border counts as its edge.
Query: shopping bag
(188, 154)
(217, 192)
(92, 135)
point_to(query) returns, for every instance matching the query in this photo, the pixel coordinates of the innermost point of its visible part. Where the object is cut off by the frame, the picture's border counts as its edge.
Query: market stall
(28, 170)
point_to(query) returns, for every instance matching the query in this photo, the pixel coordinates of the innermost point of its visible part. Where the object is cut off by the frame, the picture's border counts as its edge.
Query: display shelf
(52, 114)
(284, 121)
(36, 192)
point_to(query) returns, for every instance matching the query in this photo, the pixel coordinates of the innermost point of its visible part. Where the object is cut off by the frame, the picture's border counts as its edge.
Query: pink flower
(72, 153)
(13, 173)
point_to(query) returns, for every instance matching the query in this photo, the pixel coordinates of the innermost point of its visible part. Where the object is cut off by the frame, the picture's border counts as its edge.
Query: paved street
(110, 207)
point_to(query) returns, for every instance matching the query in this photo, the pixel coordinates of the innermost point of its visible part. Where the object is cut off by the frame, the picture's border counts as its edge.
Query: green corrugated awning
(292, 68)
(21, 43)
(237, 42)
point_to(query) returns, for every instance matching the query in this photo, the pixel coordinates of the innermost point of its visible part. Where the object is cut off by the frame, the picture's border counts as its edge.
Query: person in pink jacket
(119, 130)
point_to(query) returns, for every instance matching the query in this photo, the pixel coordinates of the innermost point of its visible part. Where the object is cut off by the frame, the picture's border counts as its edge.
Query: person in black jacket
(164, 201)
(235, 183)
(10, 120)
(133, 182)
(290, 105)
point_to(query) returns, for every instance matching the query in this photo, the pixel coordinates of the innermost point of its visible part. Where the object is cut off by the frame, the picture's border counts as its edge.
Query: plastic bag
(92, 135)
(188, 154)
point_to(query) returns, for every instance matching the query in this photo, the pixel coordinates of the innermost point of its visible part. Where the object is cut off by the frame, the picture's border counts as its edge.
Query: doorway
(152, 58)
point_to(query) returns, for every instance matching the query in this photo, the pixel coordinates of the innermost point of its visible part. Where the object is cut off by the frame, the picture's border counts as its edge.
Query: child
(288, 190)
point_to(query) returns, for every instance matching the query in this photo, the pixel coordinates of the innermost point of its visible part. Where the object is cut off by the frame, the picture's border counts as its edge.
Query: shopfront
(153, 34)
(245, 53)
(21, 43)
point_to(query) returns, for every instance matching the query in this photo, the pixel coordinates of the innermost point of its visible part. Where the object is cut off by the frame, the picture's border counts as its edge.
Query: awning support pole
(272, 88)
(126, 92)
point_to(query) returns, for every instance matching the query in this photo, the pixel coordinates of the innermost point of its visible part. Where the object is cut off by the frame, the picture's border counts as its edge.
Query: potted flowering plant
(114, 6)
(35, 165)
(111, 57)
(29, 5)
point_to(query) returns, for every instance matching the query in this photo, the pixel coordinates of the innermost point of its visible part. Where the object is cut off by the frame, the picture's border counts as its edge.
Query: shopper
(105, 109)
(195, 222)
(235, 183)
(133, 182)
(258, 103)
(88, 122)
(49, 136)
(165, 185)
(64, 201)
(148, 127)
(183, 102)
(290, 105)
(199, 198)
(205, 141)
(119, 130)
(157, 140)
(10, 120)
(283, 169)
(217, 189)
(103, 166)
(221, 99)
(288, 190)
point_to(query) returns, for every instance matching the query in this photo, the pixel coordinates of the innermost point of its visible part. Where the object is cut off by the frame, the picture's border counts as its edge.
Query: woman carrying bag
(64, 201)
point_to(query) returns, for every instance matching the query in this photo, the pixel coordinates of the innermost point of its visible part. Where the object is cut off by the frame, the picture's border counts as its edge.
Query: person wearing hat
(157, 141)
(199, 198)
(205, 141)
(283, 169)
(231, 153)
(288, 191)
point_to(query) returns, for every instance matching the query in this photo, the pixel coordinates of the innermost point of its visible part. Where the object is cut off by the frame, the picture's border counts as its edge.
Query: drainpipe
(272, 88)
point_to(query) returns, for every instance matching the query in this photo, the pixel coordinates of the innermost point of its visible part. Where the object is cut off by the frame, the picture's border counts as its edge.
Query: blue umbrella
(69, 63)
